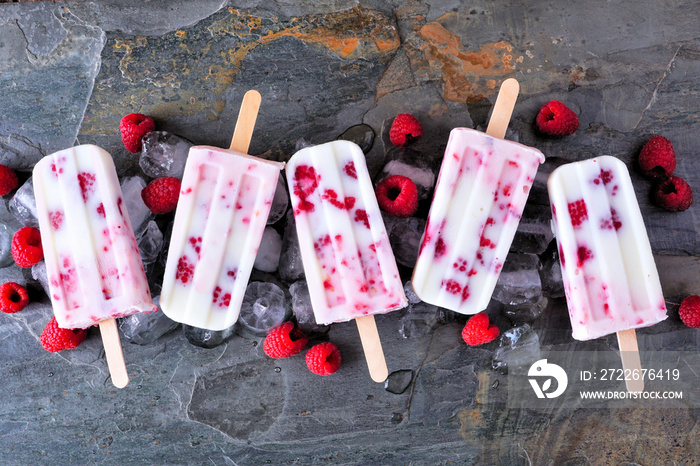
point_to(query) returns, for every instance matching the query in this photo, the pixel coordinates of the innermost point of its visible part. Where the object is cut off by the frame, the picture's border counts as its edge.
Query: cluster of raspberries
(288, 340)
(658, 162)
(161, 194)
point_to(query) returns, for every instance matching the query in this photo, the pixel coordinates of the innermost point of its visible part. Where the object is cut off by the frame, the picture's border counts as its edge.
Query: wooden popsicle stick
(631, 364)
(372, 345)
(246, 121)
(113, 353)
(503, 109)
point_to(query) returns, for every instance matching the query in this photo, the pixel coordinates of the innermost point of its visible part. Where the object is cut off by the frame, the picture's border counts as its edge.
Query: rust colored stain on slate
(184, 72)
(467, 75)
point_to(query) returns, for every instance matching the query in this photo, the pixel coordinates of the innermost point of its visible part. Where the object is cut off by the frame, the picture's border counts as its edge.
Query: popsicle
(350, 268)
(609, 275)
(480, 195)
(93, 264)
(223, 206)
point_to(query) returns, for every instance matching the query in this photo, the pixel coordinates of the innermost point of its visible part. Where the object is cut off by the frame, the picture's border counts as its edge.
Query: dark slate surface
(70, 70)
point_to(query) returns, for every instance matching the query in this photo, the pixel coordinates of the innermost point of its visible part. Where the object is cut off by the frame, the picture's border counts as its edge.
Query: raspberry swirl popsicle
(479, 198)
(222, 210)
(92, 260)
(610, 278)
(350, 268)
(349, 265)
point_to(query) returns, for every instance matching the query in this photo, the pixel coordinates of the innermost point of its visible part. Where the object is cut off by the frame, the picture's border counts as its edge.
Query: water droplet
(398, 381)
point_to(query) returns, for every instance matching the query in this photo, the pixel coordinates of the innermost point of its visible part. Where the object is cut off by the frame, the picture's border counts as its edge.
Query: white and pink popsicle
(350, 268)
(224, 202)
(610, 278)
(479, 198)
(93, 263)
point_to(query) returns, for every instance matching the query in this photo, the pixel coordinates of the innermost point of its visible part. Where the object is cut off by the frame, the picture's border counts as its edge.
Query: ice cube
(205, 338)
(139, 214)
(398, 381)
(302, 144)
(519, 281)
(538, 192)
(268, 257)
(362, 135)
(550, 274)
(534, 230)
(150, 243)
(280, 202)
(145, 328)
(405, 239)
(23, 205)
(410, 294)
(526, 312)
(39, 274)
(518, 349)
(291, 267)
(164, 154)
(418, 319)
(302, 309)
(6, 233)
(420, 169)
(264, 308)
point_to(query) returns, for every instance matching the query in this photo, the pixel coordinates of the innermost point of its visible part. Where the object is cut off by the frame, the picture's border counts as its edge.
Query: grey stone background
(70, 70)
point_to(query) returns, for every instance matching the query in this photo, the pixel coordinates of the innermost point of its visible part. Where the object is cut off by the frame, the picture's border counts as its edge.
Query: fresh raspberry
(657, 158)
(284, 341)
(8, 180)
(134, 127)
(161, 194)
(13, 297)
(690, 311)
(478, 331)
(674, 194)
(405, 129)
(323, 359)
(26, 247)
(556, 119)
(398, 196)
(54, 338)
